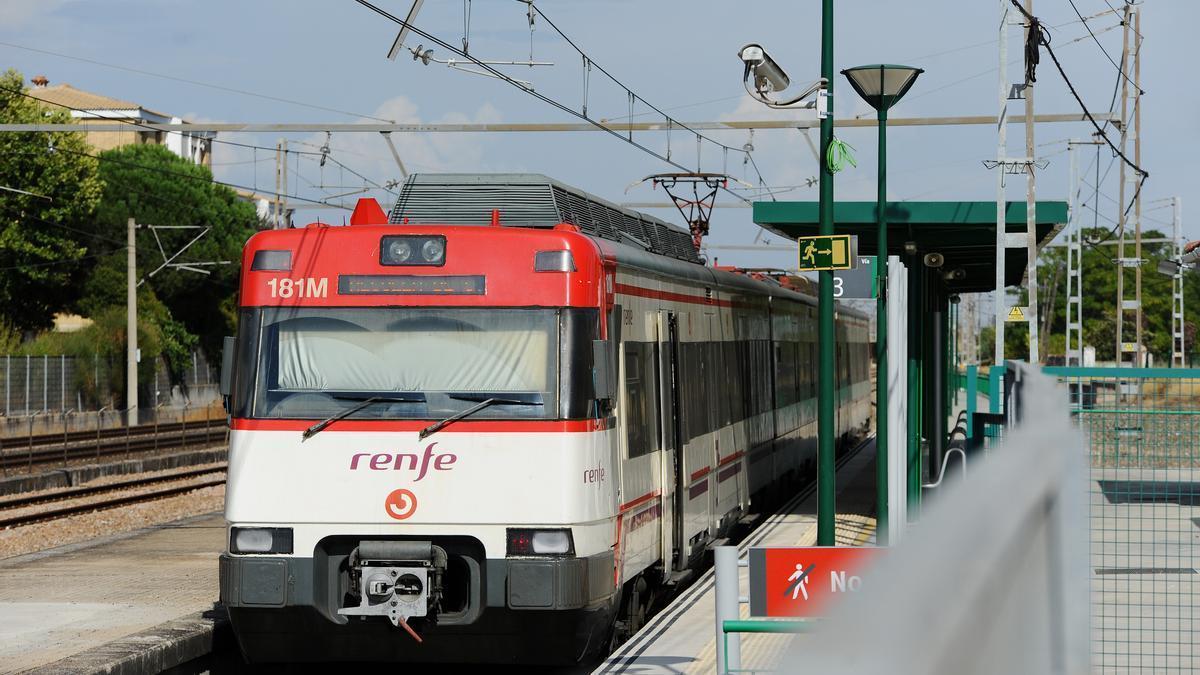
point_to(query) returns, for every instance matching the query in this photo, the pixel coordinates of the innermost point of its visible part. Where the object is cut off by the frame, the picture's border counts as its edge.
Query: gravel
(40, 536)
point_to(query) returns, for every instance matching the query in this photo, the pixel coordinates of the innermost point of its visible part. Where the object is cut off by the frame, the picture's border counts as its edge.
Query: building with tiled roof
(125, 116)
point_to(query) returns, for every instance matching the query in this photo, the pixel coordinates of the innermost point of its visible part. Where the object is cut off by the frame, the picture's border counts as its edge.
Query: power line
(177, 174)
(1120, 69)
(138, 124)
(1043, 39)
(926, 92)
(21, 213)
(634, 96)
(538, 95)
(199, 83)
(53, 263)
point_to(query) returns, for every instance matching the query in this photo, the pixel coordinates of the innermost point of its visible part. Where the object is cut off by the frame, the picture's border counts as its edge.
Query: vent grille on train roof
(533, 200)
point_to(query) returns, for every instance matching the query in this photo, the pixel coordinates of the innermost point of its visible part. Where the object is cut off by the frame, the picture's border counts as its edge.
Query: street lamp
(881, 86)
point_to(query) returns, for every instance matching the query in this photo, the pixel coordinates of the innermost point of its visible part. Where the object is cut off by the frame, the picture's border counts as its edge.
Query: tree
(155, 187)
(44, 236)
(1099, 272)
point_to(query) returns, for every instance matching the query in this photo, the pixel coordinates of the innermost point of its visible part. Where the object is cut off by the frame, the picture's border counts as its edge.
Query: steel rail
(21, 454)
(85, 491)
(113, 502)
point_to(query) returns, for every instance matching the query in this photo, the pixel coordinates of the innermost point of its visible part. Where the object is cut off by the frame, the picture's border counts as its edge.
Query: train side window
(641, 424)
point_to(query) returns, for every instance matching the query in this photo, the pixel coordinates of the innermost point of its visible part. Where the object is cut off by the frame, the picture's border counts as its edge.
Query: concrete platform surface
(681, 638)
(59, 603)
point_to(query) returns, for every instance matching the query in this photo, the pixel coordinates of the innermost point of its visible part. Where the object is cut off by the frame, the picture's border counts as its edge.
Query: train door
(671, 457)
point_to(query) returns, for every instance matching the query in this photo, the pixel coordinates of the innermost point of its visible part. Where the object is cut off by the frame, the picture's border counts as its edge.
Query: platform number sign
(858, 282)
(804, 581)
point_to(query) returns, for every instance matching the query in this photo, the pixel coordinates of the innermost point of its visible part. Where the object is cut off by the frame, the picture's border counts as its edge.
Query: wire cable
(135, 123)
(838, 155)
(542, 97)
(198, 83)
(1043, 39)
(1120, 68)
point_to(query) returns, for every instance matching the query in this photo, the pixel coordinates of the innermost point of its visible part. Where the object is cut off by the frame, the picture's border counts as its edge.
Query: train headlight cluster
(539, 542)
(260, 540)
(412, 250)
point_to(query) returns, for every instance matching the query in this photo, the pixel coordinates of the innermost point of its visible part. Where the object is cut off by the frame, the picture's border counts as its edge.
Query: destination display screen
(409, 284)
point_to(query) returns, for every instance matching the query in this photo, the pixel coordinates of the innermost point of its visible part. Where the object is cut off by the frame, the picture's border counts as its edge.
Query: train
(499, 422)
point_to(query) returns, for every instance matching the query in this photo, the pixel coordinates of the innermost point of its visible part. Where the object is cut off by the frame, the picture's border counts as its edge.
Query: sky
(679, 56)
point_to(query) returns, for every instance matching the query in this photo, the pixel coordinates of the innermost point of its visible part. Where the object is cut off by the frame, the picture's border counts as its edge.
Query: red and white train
(501, 420)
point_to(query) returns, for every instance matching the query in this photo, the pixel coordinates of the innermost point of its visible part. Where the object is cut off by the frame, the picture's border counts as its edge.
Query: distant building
(264, 205)
(194, 146)
(69, 323)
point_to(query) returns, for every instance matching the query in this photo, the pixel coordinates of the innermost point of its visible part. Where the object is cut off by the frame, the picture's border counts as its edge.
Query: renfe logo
(386, 461)
(400, 504)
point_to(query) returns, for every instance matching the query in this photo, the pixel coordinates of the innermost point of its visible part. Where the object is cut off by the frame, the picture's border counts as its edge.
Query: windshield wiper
(483, 403)
(320, 426)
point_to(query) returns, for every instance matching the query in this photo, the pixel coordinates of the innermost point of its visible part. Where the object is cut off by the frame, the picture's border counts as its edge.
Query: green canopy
(963, 232)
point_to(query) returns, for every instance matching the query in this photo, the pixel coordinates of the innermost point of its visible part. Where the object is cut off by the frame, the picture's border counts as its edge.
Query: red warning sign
(803, 581)
(400, 504)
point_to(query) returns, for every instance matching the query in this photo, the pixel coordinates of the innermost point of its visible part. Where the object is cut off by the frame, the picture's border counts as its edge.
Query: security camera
(768, 76)
(934, 260)
(956, 274)
(954, 299)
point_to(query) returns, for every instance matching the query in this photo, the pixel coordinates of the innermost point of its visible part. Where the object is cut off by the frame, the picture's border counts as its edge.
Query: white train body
(672, 398)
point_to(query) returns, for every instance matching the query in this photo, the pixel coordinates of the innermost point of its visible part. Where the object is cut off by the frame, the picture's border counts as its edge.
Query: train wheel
(632, 614)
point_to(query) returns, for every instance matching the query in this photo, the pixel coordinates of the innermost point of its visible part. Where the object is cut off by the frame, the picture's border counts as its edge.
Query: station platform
(681, 638)
(136, 602)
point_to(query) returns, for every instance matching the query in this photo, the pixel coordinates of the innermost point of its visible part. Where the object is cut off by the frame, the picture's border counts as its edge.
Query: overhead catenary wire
(1120, 68)
(135, 123)
(186, 176)
(23, 214)
(968, 78)
(1040, 37)
(198, 83)
(544, 98)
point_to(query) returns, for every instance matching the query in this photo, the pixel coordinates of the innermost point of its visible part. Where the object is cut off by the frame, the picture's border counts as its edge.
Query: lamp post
(881, 86)
(768, 77)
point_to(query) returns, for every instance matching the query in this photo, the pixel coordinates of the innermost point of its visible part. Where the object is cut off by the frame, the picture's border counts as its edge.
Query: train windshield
(423, 363)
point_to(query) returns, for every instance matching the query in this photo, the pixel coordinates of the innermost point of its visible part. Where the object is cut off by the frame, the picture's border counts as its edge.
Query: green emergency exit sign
(831, 252)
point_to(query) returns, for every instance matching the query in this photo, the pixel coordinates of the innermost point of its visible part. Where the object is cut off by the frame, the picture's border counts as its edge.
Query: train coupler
(399, 580)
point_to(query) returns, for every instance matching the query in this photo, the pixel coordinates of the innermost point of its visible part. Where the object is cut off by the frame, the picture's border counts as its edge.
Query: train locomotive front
(432, 448)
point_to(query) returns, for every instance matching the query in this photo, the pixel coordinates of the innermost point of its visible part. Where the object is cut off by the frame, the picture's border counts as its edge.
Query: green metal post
(915, 272)
(972, 395)
(881, 337)
(951, 345)
(826, 475)
(948, 365)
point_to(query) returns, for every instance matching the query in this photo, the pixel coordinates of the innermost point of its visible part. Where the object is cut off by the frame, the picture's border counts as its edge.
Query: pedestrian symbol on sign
(799, 581)
(810, 253)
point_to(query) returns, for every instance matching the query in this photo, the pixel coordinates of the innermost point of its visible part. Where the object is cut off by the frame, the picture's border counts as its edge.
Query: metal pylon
(1129, 306)
(1177, 332)
(1074, 346)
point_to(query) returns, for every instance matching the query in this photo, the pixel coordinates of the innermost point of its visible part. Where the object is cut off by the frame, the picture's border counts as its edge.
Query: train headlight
(260, 540)
(540, 542)
(433, 251)
(412, 250)
(398, 251)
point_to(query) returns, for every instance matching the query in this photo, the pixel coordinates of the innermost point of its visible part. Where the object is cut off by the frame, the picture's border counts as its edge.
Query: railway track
(76, 445)
(64, 511)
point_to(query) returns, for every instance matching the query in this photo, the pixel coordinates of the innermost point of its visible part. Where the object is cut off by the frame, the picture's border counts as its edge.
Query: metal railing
(1142, 427)
(994, 578)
